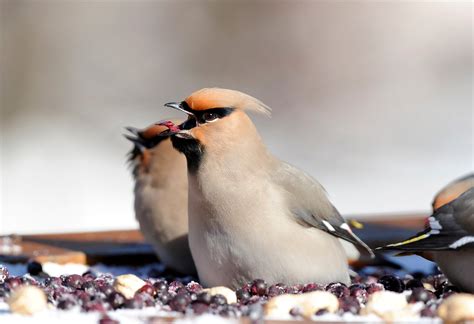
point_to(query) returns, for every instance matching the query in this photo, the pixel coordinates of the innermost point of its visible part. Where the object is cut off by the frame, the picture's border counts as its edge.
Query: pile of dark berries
(95, 293)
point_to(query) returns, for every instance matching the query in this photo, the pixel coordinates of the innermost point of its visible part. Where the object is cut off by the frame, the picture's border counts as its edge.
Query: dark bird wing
(451, 227)
(464, 211)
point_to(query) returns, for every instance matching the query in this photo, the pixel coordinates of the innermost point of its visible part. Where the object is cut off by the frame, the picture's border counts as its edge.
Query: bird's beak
(179, 107)
(183, 129)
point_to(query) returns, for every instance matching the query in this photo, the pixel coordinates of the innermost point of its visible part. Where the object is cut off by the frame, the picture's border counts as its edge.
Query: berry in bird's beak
(183, 107)
(172, 127)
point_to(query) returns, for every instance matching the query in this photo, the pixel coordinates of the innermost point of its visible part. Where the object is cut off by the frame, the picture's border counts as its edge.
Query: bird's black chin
(189, 123)
(191, 148)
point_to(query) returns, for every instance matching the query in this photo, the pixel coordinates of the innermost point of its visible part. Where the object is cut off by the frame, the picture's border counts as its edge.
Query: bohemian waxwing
(161, 194)
(252, 215)
(449, 234)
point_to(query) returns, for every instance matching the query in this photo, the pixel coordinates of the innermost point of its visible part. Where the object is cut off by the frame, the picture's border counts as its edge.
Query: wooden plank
(128, 246)
(112, 247)
(107, 236)
(413, 221)
(43, 253)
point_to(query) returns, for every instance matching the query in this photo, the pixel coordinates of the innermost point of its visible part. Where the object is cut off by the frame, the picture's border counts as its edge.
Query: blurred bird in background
(448, 238)
(161, 196)
(253, 216)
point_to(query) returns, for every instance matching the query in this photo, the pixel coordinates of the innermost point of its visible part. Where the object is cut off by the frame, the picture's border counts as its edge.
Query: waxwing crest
(220, 98)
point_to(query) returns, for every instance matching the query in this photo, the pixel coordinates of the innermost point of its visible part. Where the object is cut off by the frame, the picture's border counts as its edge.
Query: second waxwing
(251, 214)
(161, 195)
(449, 234)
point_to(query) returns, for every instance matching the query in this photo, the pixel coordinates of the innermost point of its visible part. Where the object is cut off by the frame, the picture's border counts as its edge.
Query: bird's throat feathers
(192, 149)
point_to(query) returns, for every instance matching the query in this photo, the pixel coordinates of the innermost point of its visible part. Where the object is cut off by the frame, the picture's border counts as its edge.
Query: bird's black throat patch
(192, 149)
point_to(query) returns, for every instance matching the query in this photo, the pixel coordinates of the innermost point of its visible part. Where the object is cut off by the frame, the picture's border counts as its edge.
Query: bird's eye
(210, 116)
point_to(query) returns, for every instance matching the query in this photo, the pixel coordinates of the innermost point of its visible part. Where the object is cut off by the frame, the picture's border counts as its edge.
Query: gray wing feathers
(308, 202)
(464, 211)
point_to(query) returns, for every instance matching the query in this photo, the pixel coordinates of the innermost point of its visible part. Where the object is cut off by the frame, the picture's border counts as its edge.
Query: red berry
(259, 287)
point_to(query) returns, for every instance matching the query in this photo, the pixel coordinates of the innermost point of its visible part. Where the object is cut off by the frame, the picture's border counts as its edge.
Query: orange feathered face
(213, 114)
(154, 130)
(216, 97)
(210, 105)
(146, 139)
(150, 136)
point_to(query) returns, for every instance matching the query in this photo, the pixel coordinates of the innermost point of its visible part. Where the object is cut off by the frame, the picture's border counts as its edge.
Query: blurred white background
(374, 99)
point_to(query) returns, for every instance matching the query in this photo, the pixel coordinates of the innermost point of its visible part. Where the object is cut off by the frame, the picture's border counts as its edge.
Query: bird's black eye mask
(189, 123)
(203, 116)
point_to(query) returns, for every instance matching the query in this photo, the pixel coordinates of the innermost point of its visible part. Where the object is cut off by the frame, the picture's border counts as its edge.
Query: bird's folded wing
(308, 202)
(443, 233)
(463, 212)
